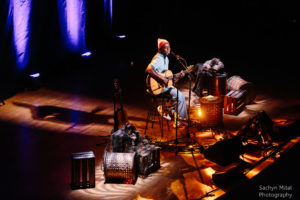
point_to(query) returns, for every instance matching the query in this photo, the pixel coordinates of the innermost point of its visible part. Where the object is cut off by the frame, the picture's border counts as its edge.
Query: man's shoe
(164, 115)
(180, 124)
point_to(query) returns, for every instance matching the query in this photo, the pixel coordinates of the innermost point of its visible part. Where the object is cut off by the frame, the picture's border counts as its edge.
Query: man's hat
(161, 42)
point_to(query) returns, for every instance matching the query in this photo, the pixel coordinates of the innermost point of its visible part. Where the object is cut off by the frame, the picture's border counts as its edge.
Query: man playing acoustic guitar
(160, 64)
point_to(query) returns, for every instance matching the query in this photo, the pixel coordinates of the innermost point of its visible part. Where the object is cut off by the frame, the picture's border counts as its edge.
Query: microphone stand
(176, 122)
(176, 142)
(184, 64)
(189, 106)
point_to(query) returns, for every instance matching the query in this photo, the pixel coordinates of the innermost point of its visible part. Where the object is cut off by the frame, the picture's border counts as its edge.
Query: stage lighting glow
(108, 6)
(139, 197)
(72, 21)
(111, 10)
(21, 30)
(121, 36)
(35, 75)
(86, 54)
(199, 112)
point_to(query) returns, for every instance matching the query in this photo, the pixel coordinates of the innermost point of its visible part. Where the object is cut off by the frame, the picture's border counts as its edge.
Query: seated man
(160, 64)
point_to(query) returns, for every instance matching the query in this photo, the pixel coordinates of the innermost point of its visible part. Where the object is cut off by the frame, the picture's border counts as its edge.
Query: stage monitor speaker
(259, 127)
(291, 130)
(225, 152)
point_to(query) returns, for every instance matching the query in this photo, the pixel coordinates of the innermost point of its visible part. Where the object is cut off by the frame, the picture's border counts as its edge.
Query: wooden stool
(83, 170)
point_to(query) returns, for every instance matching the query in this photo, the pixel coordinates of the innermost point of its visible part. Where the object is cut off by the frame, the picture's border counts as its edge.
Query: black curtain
(254, 39)
(8, 72)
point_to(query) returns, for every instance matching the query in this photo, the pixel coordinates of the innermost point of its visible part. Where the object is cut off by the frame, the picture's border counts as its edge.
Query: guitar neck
(118, 93)
(187, 71)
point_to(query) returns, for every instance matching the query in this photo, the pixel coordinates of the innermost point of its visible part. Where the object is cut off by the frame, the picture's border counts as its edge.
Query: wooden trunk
(234, 102)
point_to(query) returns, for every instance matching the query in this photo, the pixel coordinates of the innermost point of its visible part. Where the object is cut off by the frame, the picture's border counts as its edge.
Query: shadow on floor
(59, 114)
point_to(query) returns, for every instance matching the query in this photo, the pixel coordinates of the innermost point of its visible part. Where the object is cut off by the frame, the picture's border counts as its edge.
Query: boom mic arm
(180, 59)
(176, 56)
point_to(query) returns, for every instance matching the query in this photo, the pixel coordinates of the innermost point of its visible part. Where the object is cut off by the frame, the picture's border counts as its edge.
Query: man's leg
(182, 112)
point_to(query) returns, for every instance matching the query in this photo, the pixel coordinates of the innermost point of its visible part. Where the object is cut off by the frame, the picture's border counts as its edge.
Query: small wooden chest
(234, 102)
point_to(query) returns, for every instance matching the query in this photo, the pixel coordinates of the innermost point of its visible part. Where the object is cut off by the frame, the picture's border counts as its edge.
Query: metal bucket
(120, 166)
(237, 83)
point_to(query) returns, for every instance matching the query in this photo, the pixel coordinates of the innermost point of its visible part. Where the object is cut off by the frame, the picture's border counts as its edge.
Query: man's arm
(162, 80)
(215, 64)
(207, 65)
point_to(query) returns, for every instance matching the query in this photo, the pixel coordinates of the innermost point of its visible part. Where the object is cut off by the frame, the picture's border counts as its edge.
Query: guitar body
(120, 114)
(120, 118)
(155, 87)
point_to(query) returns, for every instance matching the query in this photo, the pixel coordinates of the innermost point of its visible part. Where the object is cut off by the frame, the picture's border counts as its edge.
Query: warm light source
(199, 112)
(141, 198)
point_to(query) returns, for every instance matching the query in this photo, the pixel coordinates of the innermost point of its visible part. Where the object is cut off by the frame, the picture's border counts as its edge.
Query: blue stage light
(72, 22)
(21, 12)
(86, 54)
(35, 75)
(108, 11)
(121, 36)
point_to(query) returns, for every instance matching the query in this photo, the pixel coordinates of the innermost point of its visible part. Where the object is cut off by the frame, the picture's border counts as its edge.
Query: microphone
(175, 55)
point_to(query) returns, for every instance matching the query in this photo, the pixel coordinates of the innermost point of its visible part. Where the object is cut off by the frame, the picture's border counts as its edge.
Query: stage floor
(41, 128)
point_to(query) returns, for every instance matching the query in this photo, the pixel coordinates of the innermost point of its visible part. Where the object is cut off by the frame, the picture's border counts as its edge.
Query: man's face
(165, 49)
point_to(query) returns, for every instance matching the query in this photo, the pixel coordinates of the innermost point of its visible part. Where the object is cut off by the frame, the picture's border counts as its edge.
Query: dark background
(257, 40)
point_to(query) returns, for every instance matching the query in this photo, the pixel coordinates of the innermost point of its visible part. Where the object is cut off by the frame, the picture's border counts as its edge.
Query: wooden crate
(83, 170)
(234, 102)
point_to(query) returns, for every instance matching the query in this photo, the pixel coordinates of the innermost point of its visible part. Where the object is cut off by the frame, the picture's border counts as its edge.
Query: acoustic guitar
(120, 114)
(156, 88)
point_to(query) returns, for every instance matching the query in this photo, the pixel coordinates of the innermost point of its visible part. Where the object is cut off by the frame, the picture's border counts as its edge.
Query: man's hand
(160, 79)
(165, 81)
(181, 74)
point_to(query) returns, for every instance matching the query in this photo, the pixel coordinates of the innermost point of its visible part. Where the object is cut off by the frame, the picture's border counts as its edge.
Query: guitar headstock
(190, 68)
(117, 87)
(116, 84)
